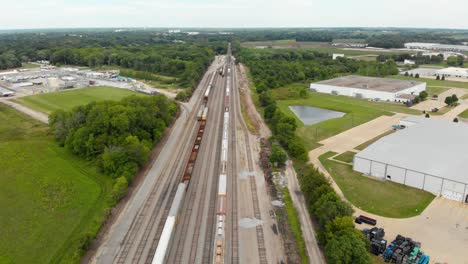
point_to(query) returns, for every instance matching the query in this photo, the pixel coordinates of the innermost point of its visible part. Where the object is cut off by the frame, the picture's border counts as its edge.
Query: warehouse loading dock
(430, 155)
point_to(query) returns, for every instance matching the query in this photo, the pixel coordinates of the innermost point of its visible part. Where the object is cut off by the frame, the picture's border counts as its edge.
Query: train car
(162, 250)
(207, 92)
(226, 103)
(205, 114)
(200, 113)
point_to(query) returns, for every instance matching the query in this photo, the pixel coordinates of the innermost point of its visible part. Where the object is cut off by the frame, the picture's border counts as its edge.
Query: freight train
(222, 196)
(208, 89)
(171, 221)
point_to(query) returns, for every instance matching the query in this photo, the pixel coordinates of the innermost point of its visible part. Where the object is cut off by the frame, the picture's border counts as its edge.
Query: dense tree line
(382, 38)
(275, 68)
(342, 243)
(118, 136)
(418, 58)
(152, 52)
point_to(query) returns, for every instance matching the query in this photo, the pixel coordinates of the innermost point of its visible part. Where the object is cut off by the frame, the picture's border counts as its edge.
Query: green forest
(117, 136)
(140, 51)
(276, 68)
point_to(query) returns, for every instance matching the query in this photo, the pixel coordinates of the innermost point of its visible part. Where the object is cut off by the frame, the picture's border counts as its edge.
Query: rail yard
(188, 207)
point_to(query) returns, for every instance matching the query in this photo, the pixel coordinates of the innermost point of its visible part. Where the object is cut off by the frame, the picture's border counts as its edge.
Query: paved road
(134, 235)
(28, 111)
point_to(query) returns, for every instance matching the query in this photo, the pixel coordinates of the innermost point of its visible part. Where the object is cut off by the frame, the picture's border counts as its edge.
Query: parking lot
(47, 79)
(442, 228)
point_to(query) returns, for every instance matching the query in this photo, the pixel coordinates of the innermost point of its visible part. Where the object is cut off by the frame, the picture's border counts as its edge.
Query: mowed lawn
(358, 111)
(464, 114)
(382, 198)
(49, 200)
(66, 100)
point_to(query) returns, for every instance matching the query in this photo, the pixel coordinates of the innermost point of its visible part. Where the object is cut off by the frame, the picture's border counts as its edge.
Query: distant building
(409, 62)
(453, 72)
(335, 55)
(349, 43)
(436, 46)
(389, 90)
(418, 156)
(446, 54)
(5, 92)
(173, 31)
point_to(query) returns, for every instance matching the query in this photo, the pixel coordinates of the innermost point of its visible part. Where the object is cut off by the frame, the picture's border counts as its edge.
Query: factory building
(390, 90)
(436, 46)
(453, 72)
(428, 154)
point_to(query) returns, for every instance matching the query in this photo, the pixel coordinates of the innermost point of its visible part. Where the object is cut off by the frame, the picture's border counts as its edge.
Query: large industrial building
(390, 90)
(436, 46)
(429, 154)
(453, 72)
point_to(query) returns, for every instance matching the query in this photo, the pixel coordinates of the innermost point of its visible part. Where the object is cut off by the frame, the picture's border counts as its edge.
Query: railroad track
(253, 185)
(196, 200)
(137, 223)
(209, 239)
(234, 241)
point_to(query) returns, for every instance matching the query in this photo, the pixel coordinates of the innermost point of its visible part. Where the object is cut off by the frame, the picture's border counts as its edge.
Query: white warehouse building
(384, 89)
(429, 154)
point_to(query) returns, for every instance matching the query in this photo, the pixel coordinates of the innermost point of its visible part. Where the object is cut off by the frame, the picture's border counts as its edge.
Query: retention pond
(311, 115)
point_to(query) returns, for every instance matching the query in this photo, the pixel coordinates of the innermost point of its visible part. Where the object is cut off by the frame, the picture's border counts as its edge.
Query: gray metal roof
(431, 146)
(370, 83)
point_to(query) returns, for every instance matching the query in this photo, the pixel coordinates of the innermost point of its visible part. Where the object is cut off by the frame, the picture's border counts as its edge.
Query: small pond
(311, 115)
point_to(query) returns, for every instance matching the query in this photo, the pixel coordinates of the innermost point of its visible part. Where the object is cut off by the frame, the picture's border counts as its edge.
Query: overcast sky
(21, 14)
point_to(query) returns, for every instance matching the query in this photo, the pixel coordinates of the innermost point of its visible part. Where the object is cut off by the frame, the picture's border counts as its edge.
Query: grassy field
(464, 114)
(324, 47)
(367, 143)
(50, 200)
(346, 157)
(382, 198)
(431, 90)
(357, 111)
(432, 82)
(66, 100)
(29, 65)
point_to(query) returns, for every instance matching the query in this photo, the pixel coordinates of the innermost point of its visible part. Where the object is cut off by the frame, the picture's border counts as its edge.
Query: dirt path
(255, 117)
(308, 232)
(28, 111)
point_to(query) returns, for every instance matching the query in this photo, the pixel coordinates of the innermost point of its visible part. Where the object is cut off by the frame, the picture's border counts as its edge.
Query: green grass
(358, 111)
(49, 199)
(378, 197)
(367, 143)
(377, 259)
(295, 224)
(464, 114)
(29, 65)
(323, 47)
(431, 90)
(346, 157)
(432, 82)
(66, 100)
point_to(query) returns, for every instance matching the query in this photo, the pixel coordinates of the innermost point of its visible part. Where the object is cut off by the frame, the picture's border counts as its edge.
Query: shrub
(278, 156)
(119, 189)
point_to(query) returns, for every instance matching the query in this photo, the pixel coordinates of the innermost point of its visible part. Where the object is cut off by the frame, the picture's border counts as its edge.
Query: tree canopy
(118, 136)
